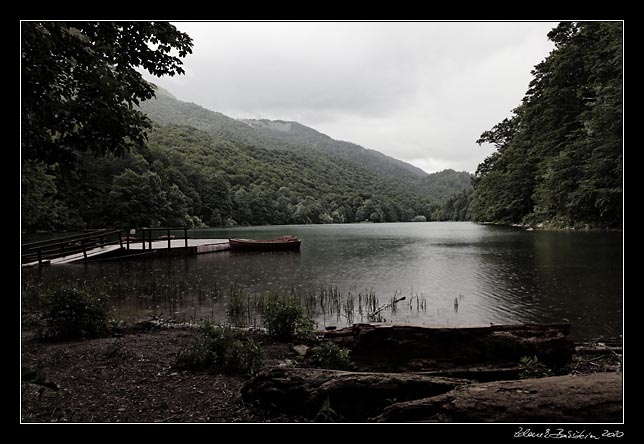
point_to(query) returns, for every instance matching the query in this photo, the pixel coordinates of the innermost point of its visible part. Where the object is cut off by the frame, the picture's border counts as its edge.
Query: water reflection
(450, 273)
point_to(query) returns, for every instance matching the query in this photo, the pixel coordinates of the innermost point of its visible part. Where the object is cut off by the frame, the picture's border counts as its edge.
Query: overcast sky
(419, 92)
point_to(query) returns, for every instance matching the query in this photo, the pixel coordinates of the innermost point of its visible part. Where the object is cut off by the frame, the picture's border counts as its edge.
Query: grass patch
(222, 350)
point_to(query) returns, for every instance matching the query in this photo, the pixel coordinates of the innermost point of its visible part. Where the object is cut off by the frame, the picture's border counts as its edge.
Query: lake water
(450, 273)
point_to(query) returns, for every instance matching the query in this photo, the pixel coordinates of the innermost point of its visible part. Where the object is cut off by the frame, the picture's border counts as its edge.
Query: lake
(450, 273)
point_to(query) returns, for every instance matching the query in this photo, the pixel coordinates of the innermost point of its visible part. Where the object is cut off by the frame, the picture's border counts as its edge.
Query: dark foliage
(184, 176)
(559, 158)
(80, 84)
(285, 320)
(71, 313)
(330, 356)
(222, 350)
(91, 158)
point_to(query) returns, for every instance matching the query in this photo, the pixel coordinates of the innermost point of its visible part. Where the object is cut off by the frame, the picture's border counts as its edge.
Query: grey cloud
(420, 92)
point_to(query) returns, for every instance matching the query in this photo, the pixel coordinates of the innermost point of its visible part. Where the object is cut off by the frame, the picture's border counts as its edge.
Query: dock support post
(185, 235)
(169, 239)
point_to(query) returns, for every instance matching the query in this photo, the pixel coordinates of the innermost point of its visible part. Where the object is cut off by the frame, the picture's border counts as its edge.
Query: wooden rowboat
(277, 244)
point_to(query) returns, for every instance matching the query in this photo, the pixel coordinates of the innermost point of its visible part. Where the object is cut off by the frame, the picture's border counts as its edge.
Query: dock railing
(49, 249)
(147, 236)
(43, 251)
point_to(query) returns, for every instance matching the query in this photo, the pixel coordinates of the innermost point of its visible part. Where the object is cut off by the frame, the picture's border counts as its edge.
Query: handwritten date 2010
(566, 434)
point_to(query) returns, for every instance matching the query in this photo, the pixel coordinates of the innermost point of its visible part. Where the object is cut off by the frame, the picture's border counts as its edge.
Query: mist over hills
(293, 136)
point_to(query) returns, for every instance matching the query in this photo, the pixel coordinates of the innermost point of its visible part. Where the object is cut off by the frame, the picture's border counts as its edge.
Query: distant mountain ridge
(276, 134)
(297, 134)
(283, 135)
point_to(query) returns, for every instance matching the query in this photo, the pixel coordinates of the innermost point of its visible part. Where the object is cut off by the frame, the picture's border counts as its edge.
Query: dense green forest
(279, 135)
(99, 151)
(559, 157)
(187, 176)
(201, 168)
(295, 134)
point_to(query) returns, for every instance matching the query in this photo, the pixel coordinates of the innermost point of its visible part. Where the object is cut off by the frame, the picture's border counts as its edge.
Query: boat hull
(268, 245)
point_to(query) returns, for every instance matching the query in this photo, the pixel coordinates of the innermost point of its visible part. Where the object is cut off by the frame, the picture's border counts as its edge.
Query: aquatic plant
(198, 300)
(237, 306)
(348, 308)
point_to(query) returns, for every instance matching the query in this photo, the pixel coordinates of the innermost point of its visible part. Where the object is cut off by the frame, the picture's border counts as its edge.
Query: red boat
(277, 244)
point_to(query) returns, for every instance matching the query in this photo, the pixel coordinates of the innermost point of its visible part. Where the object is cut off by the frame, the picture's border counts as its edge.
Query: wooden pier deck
(98, 246)
(201, 245)
(177, 248)
(94, 253)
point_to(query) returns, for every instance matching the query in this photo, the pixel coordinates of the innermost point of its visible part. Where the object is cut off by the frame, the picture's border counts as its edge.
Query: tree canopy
(80, 84)
(184, 176)
(559, 157)
(87, 160)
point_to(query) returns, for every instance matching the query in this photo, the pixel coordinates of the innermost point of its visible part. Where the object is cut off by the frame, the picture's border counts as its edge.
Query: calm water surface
(462, 273)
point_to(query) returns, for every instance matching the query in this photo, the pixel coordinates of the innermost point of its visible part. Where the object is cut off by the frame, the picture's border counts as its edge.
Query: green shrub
(222, 350)
(70, 313)
(330, 356)
(327, 414)
(285, 320)
(532, 368)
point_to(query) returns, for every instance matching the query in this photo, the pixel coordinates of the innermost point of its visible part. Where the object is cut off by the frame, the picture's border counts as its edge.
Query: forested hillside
(87, 163)
(559, 156)
(296, 134)
(446, 184)
(202, 168)
(274, 135)
(186, 176)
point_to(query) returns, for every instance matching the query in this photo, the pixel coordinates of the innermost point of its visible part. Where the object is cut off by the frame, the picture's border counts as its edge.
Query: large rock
(391, 347)
(558, 399)
(352, 396)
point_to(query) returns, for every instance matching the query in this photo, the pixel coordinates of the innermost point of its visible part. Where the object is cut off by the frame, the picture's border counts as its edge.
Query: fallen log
(478, 374)
(352, 396)
(342, 337)
(391, 347)
(597, 349)
(582, 398)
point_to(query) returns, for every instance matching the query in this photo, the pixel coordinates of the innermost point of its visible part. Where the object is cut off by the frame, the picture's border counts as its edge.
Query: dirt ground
(131, 378)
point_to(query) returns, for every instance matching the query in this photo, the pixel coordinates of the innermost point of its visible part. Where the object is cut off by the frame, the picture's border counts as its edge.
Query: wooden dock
(94, 253)
(103, 245)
